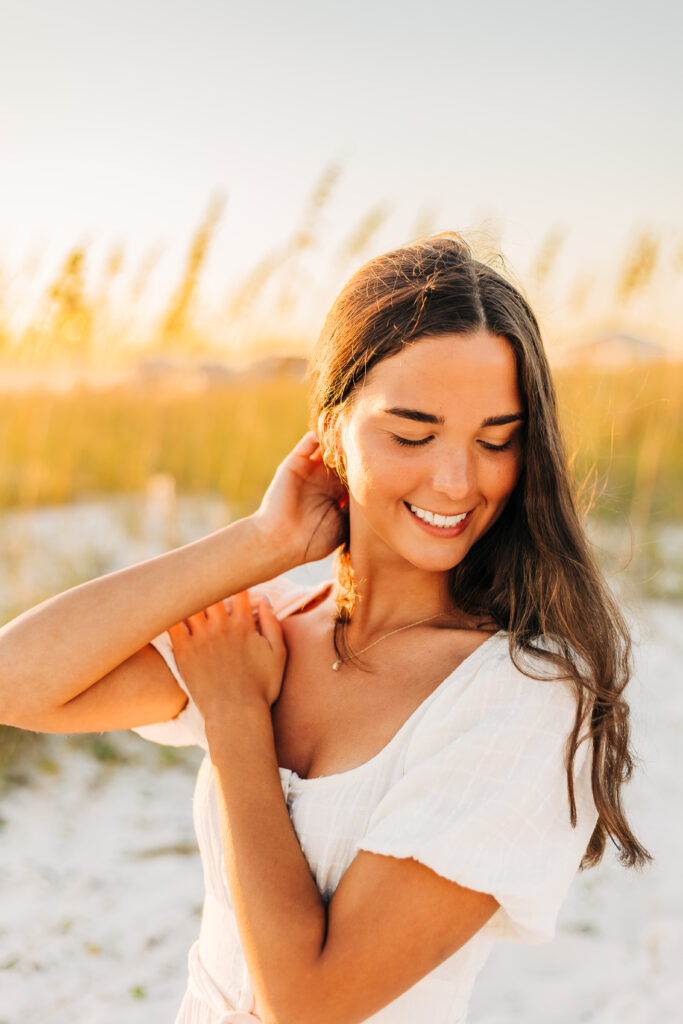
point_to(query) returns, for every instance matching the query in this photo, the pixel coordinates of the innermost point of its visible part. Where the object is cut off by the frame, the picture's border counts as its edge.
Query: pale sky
(119, 119)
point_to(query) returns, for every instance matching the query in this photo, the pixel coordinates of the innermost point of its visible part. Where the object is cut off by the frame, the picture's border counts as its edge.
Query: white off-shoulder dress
(473, 785)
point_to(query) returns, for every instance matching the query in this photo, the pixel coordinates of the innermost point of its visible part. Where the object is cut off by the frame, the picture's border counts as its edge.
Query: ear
(328, 431)
(320, 428)
(330, 438)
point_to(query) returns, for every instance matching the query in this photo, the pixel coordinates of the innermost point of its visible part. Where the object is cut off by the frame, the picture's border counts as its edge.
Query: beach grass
(620, 422)
(621, 428)
(225, 441)
(623, 436)
(139, 436)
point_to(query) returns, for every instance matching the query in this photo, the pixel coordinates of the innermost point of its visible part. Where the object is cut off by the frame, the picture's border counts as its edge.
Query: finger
(196, 622)
(216, 611)
(306, 446)
(270, 625)
(179, 630)
(241, 605)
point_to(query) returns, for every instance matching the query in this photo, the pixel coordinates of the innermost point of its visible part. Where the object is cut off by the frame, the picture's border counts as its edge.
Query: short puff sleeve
(188, 728)
(483, 797)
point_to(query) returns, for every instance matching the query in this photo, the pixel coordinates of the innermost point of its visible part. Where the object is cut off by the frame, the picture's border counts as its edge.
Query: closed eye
(412, 444)
(425, 440)
(496, 447)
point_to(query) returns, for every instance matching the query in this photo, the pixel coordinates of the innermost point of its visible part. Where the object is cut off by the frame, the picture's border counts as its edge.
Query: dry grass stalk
(177, 321)
(638, 266)
(284, 260)
(546, 257)
(358, 240)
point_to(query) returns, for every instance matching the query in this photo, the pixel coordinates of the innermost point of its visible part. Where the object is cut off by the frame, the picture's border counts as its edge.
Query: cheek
(501, 478)
(359, 472)
(372, 471)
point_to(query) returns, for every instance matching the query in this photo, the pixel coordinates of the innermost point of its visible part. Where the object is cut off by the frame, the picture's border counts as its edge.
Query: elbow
(20, 703)
(286, 1008)
(11, 711)
(14, 711)
(294, 1015)
(305, 1005)
(291, 1005)
(15, 686)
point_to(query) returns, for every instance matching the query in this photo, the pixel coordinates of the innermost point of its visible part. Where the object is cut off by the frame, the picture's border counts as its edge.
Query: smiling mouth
(435, 518)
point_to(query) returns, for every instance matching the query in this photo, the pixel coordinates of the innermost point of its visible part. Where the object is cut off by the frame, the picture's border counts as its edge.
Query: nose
(453, 474)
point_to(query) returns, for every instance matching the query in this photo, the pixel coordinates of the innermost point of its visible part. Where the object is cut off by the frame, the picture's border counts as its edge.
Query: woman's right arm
(81, 661)
(141, 691)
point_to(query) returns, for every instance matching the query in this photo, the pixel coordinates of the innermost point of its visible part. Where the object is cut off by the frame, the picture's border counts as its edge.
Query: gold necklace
(340, 661)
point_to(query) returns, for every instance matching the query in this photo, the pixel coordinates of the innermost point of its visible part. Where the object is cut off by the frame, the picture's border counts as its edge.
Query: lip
(440, 531)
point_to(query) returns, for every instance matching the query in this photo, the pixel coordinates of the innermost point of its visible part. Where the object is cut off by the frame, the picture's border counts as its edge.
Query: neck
(391, 592)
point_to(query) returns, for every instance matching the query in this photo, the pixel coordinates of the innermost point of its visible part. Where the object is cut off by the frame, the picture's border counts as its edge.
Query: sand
(102, 885)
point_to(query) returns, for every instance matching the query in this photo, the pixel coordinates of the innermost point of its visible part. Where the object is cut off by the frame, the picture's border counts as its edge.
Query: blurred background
(185, 189)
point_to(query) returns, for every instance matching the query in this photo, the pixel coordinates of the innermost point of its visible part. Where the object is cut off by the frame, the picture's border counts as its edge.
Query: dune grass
(622, 432)
(621, 425)
(621, 428)
(61, 447)
(623, 435)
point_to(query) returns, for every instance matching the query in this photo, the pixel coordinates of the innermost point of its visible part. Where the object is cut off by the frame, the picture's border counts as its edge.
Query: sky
(118, 121)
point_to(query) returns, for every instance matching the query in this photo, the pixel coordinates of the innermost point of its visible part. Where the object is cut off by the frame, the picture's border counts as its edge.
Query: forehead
(440, 375)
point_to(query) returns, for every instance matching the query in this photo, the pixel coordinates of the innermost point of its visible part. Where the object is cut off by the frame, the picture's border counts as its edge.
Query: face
(432, 442)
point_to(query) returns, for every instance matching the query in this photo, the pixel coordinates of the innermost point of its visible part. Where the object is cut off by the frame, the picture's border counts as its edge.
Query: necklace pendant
(336, 666)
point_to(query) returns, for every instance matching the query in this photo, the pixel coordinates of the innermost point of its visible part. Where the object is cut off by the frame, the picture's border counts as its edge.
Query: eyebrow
(428, 417)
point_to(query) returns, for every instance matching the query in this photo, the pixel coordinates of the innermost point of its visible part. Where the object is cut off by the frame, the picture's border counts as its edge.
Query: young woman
(411, 761)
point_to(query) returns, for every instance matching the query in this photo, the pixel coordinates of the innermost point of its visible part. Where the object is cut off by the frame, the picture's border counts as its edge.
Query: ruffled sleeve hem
(188, 728)
(483, 797)
(514, 921)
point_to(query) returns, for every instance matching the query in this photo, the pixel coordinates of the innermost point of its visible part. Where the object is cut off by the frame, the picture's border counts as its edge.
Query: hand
(304, 506)
(228, 657)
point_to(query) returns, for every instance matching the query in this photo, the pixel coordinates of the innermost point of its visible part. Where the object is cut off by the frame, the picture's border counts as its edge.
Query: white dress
(473, 785)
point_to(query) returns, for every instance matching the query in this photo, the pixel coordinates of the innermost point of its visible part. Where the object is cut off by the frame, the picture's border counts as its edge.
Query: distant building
(613, 350)
(200, 374)
(293, 367)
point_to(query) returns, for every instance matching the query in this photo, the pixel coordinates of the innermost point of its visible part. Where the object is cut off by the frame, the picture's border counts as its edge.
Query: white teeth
(435, 518)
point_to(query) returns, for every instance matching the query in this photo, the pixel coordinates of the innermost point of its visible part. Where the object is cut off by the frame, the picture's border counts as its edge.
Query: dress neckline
(321, 780)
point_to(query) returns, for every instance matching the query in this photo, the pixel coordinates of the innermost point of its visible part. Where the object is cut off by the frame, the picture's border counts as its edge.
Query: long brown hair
(533, 572)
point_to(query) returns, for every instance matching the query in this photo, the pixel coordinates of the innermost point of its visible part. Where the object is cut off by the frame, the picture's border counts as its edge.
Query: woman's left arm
(390, 921)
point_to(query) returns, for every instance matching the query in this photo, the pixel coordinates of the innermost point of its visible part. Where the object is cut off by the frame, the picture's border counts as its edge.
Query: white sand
(93, 911)
(618, 951)
(100, 898)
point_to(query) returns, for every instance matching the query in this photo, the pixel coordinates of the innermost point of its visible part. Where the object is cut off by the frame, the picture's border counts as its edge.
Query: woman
(411, 761)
